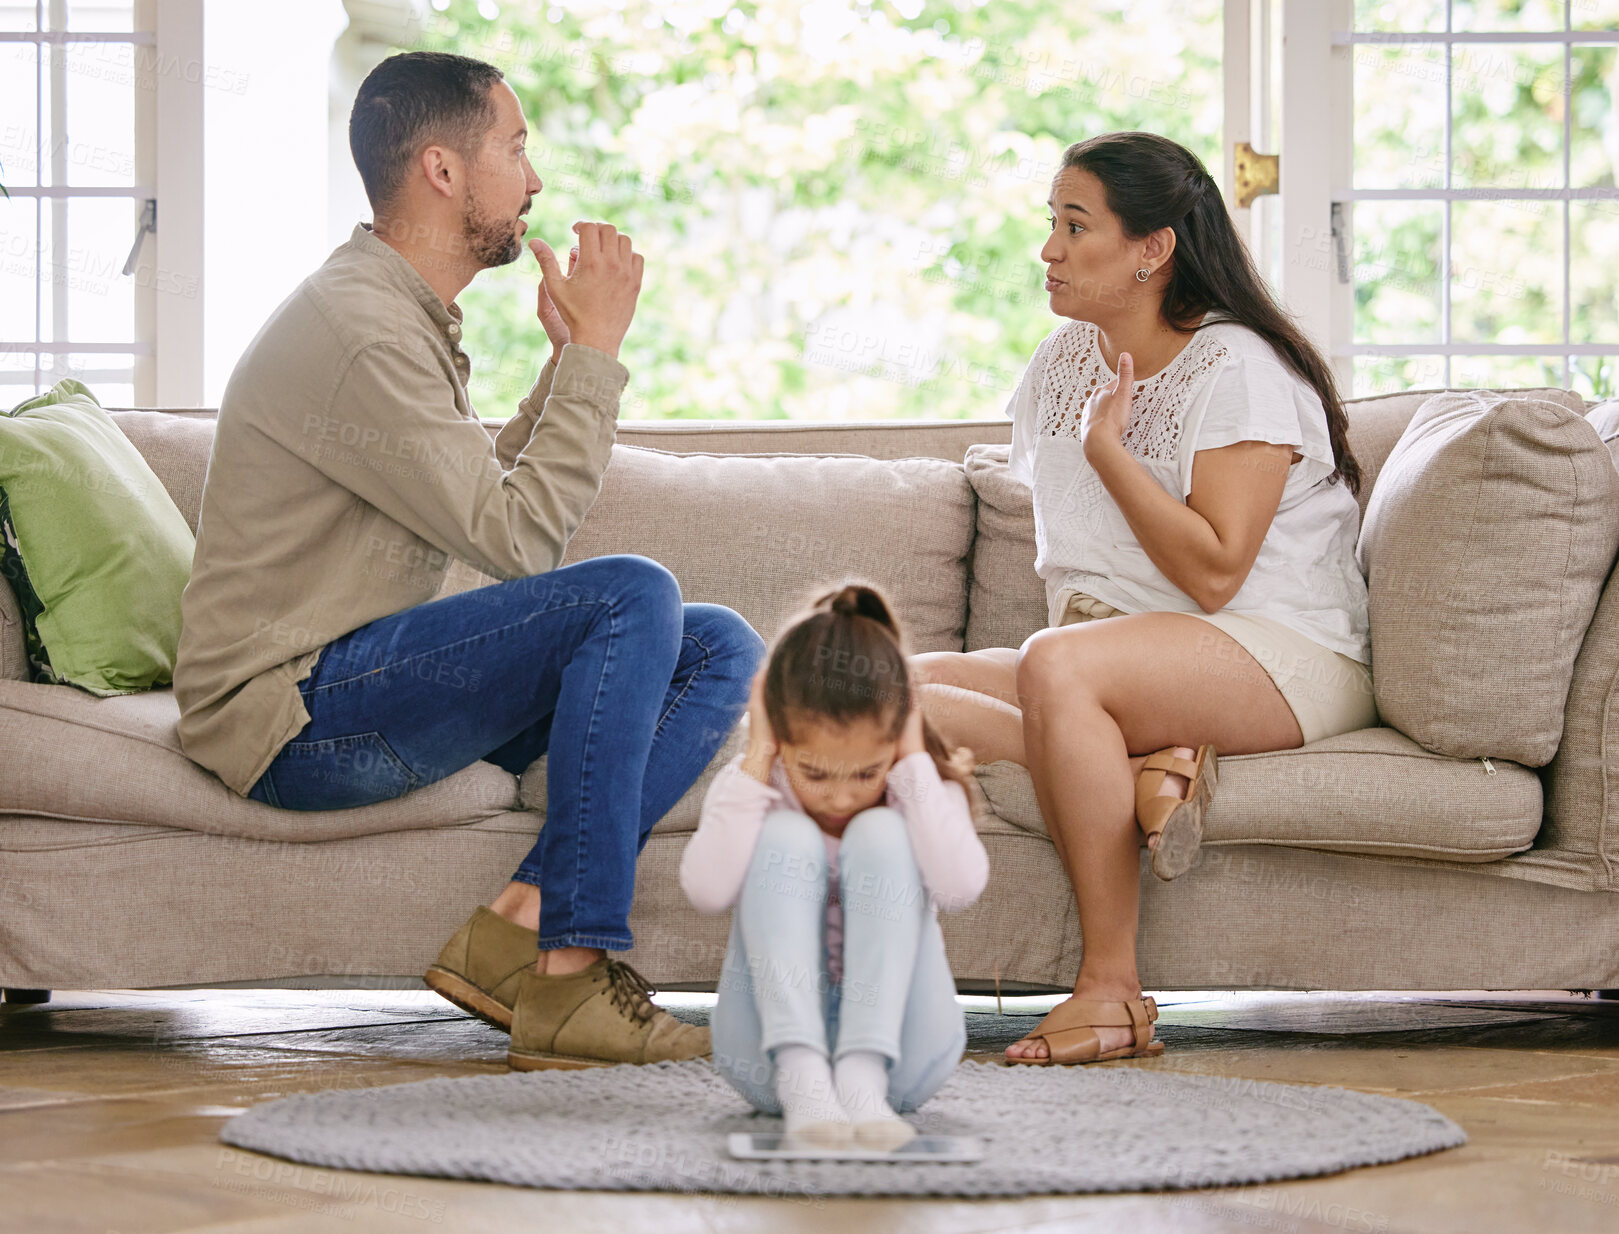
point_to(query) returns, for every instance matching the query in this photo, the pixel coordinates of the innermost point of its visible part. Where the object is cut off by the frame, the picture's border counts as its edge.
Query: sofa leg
(27, 996)
(1613, 994)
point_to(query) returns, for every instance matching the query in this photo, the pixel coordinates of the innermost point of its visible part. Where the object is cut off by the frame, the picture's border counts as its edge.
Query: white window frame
(1315, 277)
(1248, 67)
(168, 101)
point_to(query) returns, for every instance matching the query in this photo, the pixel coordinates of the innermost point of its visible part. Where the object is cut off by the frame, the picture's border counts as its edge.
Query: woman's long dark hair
(1152, 182)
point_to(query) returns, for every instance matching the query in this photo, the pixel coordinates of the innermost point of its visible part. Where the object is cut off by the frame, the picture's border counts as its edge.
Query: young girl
(836, 834)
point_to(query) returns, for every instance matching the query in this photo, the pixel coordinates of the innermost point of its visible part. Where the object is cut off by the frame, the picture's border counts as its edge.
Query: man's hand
(595, 300)
(555, 328)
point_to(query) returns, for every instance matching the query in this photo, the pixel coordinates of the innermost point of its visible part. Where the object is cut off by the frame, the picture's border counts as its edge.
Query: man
(316, 671)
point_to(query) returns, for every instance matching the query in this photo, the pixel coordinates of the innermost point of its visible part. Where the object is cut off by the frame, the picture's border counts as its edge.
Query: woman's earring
(1143, 274)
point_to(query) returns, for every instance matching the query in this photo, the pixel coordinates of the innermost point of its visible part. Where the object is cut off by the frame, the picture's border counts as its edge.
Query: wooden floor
(110, 1105)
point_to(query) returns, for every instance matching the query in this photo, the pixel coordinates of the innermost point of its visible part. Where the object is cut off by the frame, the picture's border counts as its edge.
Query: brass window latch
(1255, 174)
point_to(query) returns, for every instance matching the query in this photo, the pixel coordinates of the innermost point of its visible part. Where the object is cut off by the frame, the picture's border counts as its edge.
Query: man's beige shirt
(347, 469)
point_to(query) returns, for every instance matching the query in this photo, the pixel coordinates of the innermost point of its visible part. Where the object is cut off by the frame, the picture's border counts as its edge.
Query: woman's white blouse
(1226, 385)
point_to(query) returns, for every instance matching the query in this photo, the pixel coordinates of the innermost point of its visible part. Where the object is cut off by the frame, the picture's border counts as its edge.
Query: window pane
(101, 304)
(1409, 15)
(97, 15)
(97, 145)
(1596, 121)
(17, 102)
(1508, 101)
(1506, 271)
(1595, 15)
(87, 298)
(1394, 374)
(1508, 15)
(1594, 377)
(1399, 117)
(111, 377)
(16, 15)
(17, 269)
(1397, 271)
(1594, 271)
(16, 377)
(1505, 372)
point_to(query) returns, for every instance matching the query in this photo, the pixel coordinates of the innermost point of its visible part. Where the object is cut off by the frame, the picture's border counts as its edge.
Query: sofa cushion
(13, 651)
(889, 439)
(117, 760)
(94, 549)
(176, 446)
(1604, 417)
(1006, 599)
(1376, 422)
(1373, 791)
(760, 533)
(1485, 545)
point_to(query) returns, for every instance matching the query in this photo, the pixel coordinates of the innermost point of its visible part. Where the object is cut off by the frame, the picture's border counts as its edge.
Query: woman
(1193, 486)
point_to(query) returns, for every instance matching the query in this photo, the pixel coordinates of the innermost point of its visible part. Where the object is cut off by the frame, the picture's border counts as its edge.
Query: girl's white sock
(861, 1077)
(809, 1101)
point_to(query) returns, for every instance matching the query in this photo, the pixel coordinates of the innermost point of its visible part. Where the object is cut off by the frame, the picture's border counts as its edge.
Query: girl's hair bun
(846, 600)
(859, 600)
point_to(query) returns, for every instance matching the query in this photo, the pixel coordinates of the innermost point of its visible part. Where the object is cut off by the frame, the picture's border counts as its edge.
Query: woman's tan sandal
(1069, 1031)
(1176, 821)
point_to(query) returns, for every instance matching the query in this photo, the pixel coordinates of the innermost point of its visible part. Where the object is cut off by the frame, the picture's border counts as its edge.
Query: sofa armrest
(1578, 844)
(13, 652)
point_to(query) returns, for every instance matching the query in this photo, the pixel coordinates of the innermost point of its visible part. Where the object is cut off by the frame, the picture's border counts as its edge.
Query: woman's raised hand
(1108, 411)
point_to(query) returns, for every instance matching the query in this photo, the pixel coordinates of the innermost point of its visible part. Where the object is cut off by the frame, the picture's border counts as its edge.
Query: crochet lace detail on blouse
(1074, 371)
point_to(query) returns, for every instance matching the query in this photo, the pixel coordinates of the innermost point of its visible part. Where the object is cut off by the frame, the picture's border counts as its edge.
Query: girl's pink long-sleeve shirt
(938, 820)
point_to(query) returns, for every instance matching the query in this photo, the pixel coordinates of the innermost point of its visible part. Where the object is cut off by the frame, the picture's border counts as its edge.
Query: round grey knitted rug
(663, 1127)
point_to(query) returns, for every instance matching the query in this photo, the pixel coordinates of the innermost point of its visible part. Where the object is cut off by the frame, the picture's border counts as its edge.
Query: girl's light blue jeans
(896, 996)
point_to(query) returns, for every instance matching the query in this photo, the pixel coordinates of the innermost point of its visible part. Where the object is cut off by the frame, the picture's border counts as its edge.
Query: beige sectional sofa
(1360, 862)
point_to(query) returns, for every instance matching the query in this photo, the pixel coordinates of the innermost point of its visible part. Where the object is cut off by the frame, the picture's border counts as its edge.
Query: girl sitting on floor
(837, 834)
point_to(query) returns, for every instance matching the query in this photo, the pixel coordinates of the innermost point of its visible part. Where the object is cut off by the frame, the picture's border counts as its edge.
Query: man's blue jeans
(600, 664)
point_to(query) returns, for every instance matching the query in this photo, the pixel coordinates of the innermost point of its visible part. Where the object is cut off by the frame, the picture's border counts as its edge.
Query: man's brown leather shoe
(595, 1017)
(479, 966)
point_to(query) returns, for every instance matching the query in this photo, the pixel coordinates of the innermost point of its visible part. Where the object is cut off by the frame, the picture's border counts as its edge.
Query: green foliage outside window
(841, 205)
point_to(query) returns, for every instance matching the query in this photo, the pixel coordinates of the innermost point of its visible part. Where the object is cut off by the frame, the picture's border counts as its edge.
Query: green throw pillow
(94, 547)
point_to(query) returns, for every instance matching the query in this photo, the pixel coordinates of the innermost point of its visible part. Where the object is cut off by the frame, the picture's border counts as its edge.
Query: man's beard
(492, 241)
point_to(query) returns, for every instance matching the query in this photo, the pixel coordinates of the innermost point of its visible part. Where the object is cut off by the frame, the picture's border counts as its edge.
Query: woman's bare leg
(965, 696)
(971, 698)
(1095, 694)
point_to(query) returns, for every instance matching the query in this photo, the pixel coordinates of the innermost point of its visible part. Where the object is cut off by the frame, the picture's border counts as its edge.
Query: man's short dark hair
(412, 100)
